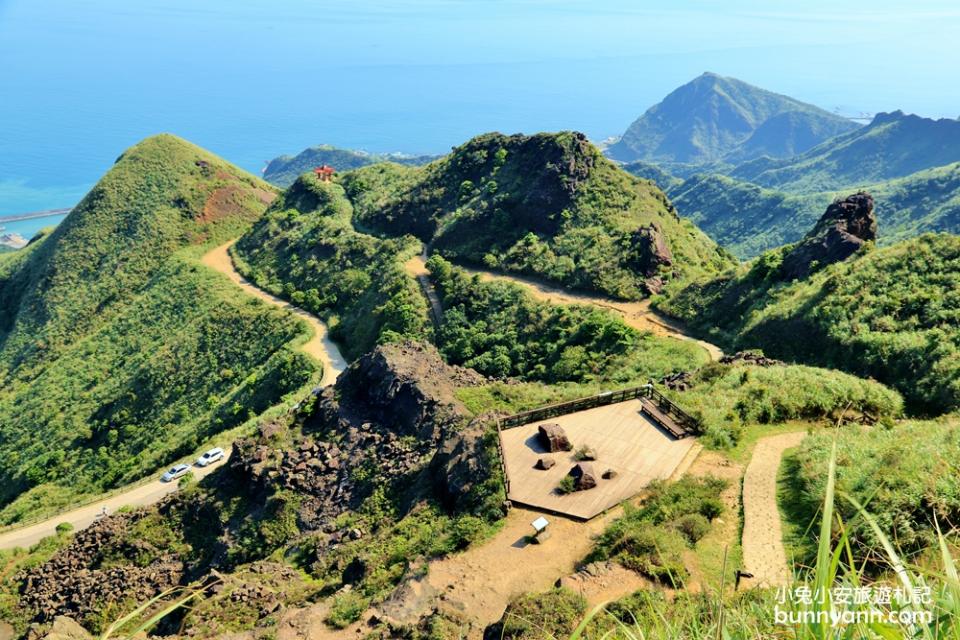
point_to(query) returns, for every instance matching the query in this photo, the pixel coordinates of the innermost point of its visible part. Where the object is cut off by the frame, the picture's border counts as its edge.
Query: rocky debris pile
(755, 358)
(679, 381)
(846, 226)
(79, 580)
(584, 477)
(255, 593)
(650, 253)
(553, 438)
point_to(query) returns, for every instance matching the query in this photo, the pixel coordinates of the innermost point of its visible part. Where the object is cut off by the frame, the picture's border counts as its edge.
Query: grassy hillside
(894, 145)
(888, 313)
(118, 351)
(748, 219)
(306, 250)
(498, 329)
(284, 170)
(547, 205)
(713, 118)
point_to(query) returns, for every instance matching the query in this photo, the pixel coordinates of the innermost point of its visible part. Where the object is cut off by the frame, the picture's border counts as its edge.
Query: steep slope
(306, 250)
(284, 170)
(894, 145)
(547, 205)
(748, 219)
(888, 313)
(118, 351)
(713, 117)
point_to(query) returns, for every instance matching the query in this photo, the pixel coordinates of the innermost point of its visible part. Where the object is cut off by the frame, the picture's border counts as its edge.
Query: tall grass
(776, 613)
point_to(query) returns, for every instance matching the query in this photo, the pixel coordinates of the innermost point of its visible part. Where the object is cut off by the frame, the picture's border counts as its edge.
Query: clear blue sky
(251, 80)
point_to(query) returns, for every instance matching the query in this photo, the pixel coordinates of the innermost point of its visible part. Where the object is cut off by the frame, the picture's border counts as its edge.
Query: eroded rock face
(846, 226)
(392, 412)
(553, 438)
(650, 252)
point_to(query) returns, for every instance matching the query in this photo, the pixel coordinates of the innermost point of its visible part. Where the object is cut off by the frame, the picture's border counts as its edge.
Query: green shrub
(346, 609)
(695, 525)
(567, 485)
(553, 614)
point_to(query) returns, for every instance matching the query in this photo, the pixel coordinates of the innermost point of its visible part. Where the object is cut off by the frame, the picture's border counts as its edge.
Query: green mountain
(547, 205)
(715, 118)
(748, 219)
(889, 313)
(306, 250)
(894, 145)
(118, 350)
(283, 170)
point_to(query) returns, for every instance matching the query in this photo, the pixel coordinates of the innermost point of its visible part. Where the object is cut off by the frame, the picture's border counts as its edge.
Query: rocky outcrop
(84, 576)
(843, 229)
(553, 438)
(650, 251)
(393, 412)
(584, 477)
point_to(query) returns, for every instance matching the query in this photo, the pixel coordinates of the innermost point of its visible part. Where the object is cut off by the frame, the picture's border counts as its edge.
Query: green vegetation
(284, 170)
(500, 330)
(305, 250)
(651, 539)
(728, 397)
(890, 314)
(715, 118)
(894, 145)
(535, 616)
(98, 319)
(547, 205)
(748, 220)
(905, 487)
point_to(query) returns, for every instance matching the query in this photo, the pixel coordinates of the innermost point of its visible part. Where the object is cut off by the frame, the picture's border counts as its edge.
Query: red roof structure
(325, 173)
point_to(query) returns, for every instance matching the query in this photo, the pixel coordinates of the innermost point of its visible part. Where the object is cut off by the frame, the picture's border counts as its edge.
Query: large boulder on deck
(553, 438)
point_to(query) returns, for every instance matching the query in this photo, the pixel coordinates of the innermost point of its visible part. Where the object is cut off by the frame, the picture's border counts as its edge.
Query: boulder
(553, 438)
(846, 226)
(609, 474)
(545, 463)
(650, 252)
(65, 628)
(584, 477)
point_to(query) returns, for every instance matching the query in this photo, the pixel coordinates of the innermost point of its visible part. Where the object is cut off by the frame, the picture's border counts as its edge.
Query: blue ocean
(251, 80)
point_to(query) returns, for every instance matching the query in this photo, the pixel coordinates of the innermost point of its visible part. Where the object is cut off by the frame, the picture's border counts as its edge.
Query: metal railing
(666, 406)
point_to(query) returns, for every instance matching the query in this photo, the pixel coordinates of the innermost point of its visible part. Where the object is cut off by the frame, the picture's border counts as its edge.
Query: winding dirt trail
(762, 540)
(319, 346)
(638, 315)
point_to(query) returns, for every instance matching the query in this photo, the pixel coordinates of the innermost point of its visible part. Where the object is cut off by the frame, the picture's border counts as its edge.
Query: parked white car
(210, 457)
(175, 472)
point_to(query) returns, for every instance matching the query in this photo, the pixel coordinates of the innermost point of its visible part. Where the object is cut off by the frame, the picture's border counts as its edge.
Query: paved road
(763, 553)
(319, 346)
(85, 516)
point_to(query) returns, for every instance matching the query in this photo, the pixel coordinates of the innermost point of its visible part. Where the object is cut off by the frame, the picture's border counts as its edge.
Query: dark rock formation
(584, 477)
(755, 358)
(609, 474)
(846, 226)
(650, 252)
(545, 463)
(553, 438)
